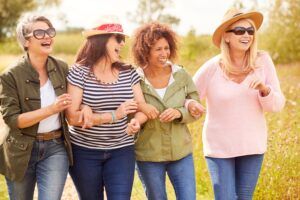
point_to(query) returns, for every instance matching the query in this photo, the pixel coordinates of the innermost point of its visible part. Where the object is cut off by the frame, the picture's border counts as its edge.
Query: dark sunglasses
(120, 38)
(242, 30)
(40, 33)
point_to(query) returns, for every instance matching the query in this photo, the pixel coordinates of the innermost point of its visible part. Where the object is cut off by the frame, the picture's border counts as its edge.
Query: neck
(38, 61)
(103, 65)
(238, 58)
(155, 71)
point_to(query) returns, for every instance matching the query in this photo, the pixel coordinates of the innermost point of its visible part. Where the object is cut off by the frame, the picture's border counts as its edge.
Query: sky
(201, 15)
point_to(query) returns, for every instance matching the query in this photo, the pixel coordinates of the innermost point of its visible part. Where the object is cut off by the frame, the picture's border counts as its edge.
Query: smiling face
(159, 53)
(238, 42)
(39, 46)
(113, 46)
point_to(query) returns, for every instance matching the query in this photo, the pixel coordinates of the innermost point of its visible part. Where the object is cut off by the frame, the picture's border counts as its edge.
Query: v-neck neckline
(232, 81)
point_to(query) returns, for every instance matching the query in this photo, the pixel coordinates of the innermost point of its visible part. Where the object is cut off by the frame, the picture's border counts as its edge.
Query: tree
(153, 10)
(11, 10)
(282, 36)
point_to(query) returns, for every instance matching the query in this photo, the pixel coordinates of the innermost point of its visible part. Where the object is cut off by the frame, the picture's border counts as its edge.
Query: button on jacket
(171, 141)
(20, 93)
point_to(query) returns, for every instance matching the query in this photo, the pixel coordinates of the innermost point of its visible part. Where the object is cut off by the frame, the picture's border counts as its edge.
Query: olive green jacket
(20, 93)
(171, 141)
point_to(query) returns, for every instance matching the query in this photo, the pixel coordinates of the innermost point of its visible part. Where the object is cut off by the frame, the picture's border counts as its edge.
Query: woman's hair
(93, 49)
(250, 55)
(146, 36)
(24, 27)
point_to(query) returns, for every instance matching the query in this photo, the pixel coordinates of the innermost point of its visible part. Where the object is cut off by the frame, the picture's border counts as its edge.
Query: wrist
(265, 91)
(113, 117)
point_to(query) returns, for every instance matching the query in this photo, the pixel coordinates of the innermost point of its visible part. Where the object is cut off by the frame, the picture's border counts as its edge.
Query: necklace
(104, 82)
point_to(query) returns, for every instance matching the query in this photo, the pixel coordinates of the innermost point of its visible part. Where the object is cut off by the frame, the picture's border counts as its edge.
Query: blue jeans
(48, 167)
(234, 178)
(180, 172)
(95, 169)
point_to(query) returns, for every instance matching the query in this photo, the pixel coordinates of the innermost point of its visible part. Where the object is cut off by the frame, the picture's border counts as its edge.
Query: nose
(122, 43)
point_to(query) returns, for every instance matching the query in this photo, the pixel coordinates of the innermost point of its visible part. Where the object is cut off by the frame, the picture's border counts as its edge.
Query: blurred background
(194, 21)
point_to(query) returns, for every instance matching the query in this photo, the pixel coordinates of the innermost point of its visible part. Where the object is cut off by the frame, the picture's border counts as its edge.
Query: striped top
(103, 98)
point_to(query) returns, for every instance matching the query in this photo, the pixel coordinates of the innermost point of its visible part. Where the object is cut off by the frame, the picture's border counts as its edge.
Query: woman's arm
(31, 118)
(82, 115)
(139, 98)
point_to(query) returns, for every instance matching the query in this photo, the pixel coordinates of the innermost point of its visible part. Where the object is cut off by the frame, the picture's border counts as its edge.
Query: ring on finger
(65, 102)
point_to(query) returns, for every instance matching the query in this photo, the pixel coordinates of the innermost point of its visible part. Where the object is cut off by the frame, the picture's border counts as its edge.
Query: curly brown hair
(146, 36)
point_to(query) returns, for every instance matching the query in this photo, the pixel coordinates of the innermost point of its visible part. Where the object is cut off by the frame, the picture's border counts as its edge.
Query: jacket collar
(50, 65)
(179, 82)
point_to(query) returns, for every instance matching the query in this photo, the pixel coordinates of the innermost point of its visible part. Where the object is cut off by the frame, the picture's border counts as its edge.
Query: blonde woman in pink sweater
(239, 85)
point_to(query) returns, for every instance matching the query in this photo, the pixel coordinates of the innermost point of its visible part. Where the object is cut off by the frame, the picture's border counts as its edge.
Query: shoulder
(263, 60)
(18, 67)
(209, 67)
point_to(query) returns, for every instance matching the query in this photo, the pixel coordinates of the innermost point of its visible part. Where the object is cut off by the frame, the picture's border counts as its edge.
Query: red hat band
(110, 28)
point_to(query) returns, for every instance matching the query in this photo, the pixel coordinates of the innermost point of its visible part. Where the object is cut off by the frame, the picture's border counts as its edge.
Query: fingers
(133, 127)
(168, 115)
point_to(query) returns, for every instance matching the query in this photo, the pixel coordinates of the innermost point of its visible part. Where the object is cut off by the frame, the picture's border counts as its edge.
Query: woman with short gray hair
(32, 100)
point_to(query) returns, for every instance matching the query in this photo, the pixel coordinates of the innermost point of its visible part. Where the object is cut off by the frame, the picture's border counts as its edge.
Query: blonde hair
(250, 58)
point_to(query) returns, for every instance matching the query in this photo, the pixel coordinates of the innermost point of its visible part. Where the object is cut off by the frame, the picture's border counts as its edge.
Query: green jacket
(20, 93)
(171, 141)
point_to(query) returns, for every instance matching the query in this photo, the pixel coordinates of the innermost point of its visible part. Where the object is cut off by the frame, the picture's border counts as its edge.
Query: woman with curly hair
(164, 144)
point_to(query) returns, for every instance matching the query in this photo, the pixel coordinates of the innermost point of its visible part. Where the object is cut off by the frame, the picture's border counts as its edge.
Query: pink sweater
(235, 124)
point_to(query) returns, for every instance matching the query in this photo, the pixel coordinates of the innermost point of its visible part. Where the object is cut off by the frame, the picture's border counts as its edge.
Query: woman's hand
(61, 103)
(128, 107)
(149, 110)
(257, 84)
(196, 109)
(133, 127)
(86, 116)
(169, 115)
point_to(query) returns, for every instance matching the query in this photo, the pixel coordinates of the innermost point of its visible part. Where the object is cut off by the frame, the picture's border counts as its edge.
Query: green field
(279, 178)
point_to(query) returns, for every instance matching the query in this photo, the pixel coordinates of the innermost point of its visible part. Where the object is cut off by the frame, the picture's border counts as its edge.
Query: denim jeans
(234, 178)
(181, 174)
(48, 167)
(94, 170)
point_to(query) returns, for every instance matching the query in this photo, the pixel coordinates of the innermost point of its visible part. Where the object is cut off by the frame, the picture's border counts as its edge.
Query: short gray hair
(24, 27)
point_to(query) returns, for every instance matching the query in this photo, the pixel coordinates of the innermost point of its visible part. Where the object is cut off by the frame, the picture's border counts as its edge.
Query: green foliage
(153, 10)
(11, 10)
(282, 37)
(195, 49)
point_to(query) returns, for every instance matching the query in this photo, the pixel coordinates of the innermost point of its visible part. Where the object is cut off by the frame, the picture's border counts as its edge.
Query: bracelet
(113, 117)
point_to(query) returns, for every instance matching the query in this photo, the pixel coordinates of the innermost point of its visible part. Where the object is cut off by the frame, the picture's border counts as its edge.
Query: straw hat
(106, 25)
(232, 16)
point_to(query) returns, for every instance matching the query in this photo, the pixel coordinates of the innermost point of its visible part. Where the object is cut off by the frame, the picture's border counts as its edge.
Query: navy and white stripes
(103, 98)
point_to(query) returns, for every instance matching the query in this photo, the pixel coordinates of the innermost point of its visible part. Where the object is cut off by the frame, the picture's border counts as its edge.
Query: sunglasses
(120, 38)
(242, 30)
(40, 33)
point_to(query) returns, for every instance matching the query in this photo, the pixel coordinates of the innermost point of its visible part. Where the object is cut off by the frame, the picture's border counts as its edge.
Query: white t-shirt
(48, 97)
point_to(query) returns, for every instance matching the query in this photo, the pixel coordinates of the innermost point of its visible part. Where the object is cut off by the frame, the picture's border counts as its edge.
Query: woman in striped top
(105, 91)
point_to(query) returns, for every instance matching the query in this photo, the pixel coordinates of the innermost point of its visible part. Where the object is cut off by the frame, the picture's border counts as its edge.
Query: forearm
(33, 117)
(97, 118)
(141, 117)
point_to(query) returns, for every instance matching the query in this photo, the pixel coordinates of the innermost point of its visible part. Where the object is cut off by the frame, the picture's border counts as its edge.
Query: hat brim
(256, 17)
(89, 33)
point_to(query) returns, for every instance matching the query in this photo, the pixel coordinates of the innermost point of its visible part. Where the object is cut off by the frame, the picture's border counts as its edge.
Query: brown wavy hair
(146, 36)
(93, 49)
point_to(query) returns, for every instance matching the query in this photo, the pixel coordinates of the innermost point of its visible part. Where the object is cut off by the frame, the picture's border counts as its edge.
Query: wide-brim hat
(105, 25)
(232, 16)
